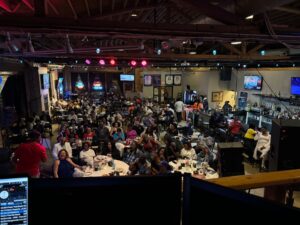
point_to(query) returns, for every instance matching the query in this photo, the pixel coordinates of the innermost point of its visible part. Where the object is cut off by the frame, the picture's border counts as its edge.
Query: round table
(202, 171)
(104, 168)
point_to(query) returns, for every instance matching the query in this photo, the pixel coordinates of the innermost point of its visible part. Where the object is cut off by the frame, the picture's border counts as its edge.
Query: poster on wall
(177, 79)
(147, 80)
(217, 96)
(169, 79)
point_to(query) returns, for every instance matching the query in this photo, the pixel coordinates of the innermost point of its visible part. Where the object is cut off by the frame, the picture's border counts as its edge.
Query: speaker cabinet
(285, 151)
(230, 159)
(225, 73)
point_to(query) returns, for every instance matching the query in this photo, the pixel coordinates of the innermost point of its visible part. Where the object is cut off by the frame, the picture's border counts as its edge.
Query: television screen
(253, 82)
(126, 77)
(295, 85)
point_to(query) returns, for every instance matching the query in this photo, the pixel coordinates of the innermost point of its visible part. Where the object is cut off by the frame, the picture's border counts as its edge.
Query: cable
(276, 96)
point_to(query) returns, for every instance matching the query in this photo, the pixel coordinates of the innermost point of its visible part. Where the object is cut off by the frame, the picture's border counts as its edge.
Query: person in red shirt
(29, 155)
(235, 128)
(88, 136)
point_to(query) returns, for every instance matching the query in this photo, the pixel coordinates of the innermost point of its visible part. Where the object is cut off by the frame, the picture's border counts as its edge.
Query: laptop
(14, 200)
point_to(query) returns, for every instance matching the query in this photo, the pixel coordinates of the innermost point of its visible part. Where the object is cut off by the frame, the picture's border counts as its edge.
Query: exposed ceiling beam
(222, 33)
(244, 48)
(212, 11)
(149, 56)
(125, 11)
(53, 7)
(73, 10)
(255, 49)
(181, 12)
(87, 7)
(5, 5)
(232, 48)
(28, 4)
(288, 10)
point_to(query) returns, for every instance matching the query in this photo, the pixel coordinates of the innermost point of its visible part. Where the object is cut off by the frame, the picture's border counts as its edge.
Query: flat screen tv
(126, 77)
(253, 82)
(295, 85)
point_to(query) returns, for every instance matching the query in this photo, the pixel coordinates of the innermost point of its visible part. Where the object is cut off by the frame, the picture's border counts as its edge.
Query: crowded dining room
(194, 102)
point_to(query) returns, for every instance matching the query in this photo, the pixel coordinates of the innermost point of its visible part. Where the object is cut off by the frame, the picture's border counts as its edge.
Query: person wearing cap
(29, 155)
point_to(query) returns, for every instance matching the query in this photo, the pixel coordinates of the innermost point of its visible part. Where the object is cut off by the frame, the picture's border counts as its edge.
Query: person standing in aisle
(179, 105)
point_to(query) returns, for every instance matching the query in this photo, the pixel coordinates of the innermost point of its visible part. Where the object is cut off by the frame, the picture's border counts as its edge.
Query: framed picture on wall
(217, 96)
(147, 80)
(169, 79)
(177, 79)
(156, 80)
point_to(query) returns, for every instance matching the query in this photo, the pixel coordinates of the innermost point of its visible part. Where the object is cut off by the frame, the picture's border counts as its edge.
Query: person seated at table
(131, 133)
(102, 132)
(262, 148)
(172, 152)
(150, 132)
(159, 166)
(140, 167)
(72, 116)
(64, 166)
(88, 135)
(132, 153)
(62, 144)
(119, 135)
(162, 153)
(87, 154)
(187, 152)
(172, 129)
(203, 152)
(111, 150)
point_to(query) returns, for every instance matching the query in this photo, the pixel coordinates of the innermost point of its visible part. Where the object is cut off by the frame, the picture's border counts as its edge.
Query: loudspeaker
(284, 153)
(225, 73)
(230, 159)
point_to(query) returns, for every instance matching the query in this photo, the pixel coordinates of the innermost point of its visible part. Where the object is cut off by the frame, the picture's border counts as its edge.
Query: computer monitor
(14, 200)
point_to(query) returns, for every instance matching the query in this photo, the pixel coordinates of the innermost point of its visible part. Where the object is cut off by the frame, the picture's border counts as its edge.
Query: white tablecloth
(104, 170)
(208, 172)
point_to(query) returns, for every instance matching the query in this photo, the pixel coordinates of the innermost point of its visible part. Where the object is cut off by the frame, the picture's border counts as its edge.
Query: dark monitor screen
(14, 201)
(107, 200)
(210, 200)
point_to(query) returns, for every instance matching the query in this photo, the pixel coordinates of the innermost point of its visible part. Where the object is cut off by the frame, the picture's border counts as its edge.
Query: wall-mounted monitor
(45, 81)
(126, 77)
(253, 82)
(295, 85)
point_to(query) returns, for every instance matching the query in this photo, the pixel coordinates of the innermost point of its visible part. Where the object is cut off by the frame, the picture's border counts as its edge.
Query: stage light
(49, 61)
(214, 52)
(294, 65)
(102, 62)
(76, 61)
(277, 65)
(244, 66)
(144, 63)
(258, 65)
(88, 62)
(262, 52)
(158, 51)
(249, 17)
(218, 64)
(236, 42)
(98, 50)
(112, 62)
(133, 63)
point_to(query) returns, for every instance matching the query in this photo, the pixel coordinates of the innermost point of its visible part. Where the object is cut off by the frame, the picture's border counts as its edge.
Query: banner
(2, 82)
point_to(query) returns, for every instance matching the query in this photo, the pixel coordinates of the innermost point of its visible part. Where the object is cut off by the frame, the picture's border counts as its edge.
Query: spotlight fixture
(218, 64)
(249, 17)
(133, 63)
(277, 65)
(258, 65)
(76, 61)
(214, 52)
(192, 52)
(294, 65)
(144, 63)
(112, 62)
(102, 62)
(239, 65)
(88, 62)
(262, 52)
(158, 51)
(134, 15)
(98, 50)
(49, 61)
(244, 66)
(236, 42)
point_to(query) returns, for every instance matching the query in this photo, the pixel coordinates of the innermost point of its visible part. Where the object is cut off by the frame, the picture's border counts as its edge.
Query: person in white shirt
(87, 154)
(263, 144)
(72, 116)
(178, 109)
(188, 152)
(62, 144)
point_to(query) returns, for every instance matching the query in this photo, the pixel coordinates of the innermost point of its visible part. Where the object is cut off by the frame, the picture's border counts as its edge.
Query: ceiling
(69, 31)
